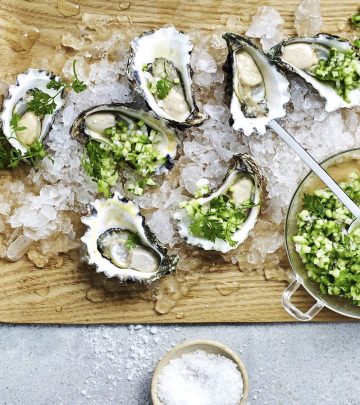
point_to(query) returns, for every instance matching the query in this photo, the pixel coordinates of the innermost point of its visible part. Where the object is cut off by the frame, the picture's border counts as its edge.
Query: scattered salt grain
(200, 378)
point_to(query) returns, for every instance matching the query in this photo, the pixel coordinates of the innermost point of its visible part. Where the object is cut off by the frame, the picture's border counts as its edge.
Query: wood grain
(58, 295)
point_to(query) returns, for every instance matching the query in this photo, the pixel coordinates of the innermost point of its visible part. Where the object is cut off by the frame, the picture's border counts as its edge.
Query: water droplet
(59, 262)
(164, 305)
(124, 5)
(227, 288)
(42, 292)
(96, 294)
(123, 19)
(58, 308)
(179, 315)
(68, 8)
(343, 25)
(193, 277)
(20, 37)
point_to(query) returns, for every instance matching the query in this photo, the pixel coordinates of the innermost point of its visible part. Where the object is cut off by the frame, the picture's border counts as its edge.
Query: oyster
(120, 245)
(31, 126)
(300, 55)
(159, 65)
(242, 190)
(258, 90)
(94, 122)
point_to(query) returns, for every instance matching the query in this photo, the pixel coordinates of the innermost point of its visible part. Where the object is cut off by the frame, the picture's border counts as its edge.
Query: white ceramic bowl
(205, 345)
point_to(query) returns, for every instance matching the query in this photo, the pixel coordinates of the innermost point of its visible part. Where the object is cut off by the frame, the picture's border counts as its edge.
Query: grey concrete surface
(287, 364)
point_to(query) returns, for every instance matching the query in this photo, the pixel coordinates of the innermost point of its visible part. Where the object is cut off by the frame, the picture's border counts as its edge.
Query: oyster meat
(258, 91)
(159, 66)
(119, 244)
(242, 189)
(97, 123)
(30, 126)
(300, 55)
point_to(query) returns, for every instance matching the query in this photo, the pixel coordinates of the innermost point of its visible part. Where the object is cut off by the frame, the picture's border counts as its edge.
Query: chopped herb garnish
(132, 241)
(14, 123)
(99, 164)
(341, 69)
(34, 154)
(314, 203)
(220, 218)
(5, 154)
(77, 85)
(209, 228)
(55, 84)
(41, 103)
(11, 157)
(330, 254)
(163, 88)
(132, 143)
(355, 19)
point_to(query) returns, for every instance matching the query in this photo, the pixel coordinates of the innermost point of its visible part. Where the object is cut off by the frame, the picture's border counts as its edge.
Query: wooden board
(58, 294)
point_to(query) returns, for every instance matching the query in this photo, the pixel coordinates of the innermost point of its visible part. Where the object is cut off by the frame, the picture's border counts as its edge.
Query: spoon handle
(316, 168)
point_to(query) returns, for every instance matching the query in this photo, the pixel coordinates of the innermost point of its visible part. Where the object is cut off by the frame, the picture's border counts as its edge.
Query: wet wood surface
(59, 294)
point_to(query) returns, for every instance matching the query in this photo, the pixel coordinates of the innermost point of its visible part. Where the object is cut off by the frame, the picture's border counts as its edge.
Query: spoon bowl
(354, 225)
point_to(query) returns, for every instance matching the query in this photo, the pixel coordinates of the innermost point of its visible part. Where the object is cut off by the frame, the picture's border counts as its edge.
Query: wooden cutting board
(58, 294)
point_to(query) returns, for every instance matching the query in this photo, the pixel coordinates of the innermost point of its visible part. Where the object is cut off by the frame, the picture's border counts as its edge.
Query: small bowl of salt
(200, 372)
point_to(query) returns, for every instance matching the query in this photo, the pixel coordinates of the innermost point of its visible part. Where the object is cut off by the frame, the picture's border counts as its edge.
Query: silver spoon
(319, 171)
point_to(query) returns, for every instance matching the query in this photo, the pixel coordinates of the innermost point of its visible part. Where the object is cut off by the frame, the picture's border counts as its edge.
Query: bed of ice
(40, 208)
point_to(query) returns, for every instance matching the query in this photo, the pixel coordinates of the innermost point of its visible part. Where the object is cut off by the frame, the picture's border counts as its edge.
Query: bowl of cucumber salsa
(324, 255)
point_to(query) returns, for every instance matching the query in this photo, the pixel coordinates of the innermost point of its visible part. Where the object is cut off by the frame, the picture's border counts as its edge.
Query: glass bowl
(339, 166)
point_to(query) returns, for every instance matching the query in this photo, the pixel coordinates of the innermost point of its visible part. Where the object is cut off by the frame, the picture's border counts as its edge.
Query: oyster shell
(110, 224)
(159, 66)
(258, 90)
(298, 55)
(94, 121)
(34, 127)
(243, 183)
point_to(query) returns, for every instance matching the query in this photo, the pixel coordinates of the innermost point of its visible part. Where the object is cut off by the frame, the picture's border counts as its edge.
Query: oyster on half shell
(94, 122)
(242, 186)
(119, 244)
(299, 55)
(159, 65)
(31, 127)
(258, 91)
